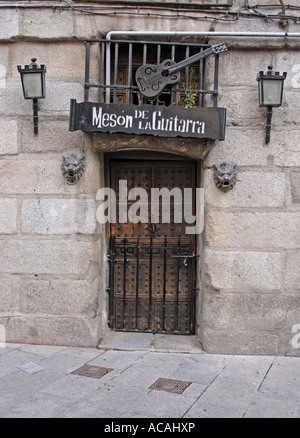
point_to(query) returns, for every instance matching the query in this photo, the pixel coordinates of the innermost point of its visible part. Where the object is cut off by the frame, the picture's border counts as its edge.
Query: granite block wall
(53, 274)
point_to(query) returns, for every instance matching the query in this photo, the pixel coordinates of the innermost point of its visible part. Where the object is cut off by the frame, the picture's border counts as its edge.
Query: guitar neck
(188, 61)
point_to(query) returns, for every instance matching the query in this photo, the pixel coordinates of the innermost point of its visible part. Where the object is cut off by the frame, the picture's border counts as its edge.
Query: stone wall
(251, 258)
(52, 269)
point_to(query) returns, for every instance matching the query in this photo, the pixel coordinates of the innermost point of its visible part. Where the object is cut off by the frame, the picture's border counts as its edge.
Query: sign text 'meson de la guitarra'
(161, 121)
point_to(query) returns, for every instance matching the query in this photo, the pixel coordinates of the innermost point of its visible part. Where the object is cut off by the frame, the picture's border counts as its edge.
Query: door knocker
(73, 168)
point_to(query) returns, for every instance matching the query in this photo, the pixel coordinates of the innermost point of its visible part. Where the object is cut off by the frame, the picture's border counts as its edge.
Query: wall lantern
(33, 84)
(270, 90)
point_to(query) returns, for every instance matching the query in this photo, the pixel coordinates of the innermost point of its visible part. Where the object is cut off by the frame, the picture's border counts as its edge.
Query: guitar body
(153, 79)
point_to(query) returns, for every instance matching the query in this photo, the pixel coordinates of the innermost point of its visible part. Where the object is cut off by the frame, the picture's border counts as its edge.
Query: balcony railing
(110, 68)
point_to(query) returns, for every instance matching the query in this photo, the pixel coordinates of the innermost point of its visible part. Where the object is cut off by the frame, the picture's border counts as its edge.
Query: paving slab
(282, 377)
(38, 405)
(126, 341)
(270, 406)
(176, 343)
(149, 341)
(201, 369)
(118, 359)
(233, 388)
(147, 370)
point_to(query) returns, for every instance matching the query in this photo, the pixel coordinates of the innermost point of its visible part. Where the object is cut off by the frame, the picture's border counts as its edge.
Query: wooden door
(152, 264)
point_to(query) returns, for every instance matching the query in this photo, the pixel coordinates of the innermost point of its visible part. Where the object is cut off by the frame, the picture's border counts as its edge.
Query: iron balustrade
(126, 56)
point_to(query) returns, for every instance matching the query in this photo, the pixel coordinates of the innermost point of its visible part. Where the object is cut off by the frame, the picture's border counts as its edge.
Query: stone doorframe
(131, 153)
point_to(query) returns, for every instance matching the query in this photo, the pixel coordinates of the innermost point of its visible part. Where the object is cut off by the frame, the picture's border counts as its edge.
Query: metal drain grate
(92, 371)
(170, 385)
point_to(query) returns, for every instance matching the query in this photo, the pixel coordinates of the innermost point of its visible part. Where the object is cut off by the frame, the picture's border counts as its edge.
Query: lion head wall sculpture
(73, 168)
(225, 176)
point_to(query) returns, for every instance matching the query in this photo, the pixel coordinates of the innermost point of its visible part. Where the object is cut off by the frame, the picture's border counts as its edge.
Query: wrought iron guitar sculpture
(153, 79)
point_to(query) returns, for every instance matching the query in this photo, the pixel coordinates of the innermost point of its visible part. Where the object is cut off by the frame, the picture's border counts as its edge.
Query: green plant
(190, 96)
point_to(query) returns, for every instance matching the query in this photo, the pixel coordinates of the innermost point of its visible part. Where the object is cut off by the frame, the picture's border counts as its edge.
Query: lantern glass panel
(271, 92)
(33, 85)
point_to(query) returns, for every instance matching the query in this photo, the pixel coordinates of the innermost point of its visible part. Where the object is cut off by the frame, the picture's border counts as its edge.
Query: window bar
(215, 94)
(129, 72)
(187, 70)
(158, 55)
(124, 282)
(102, 61)
(165, 282)
(158, 59)
(150, 285)
(87, 71)
(145, 48)
(200, 98)
(137, 281)
(116, 72)
(107, 74)
(173, 54)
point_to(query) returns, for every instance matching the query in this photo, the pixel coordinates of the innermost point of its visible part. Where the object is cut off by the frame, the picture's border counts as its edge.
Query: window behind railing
(111, 65)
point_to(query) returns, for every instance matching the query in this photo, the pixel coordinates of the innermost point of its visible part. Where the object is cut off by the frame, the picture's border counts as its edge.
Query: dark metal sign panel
(161, 121)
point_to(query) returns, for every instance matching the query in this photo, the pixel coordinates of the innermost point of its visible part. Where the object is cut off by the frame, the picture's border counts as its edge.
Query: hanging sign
(161, 121)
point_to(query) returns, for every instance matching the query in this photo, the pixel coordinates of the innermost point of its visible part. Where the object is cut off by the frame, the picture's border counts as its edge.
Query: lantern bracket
(270, 92)
(33, 85)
